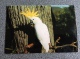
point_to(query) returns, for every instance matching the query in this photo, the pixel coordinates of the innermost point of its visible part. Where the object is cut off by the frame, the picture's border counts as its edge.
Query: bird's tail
(46, 47)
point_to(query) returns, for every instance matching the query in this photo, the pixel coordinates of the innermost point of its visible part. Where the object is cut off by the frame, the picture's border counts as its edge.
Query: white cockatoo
(40, 28)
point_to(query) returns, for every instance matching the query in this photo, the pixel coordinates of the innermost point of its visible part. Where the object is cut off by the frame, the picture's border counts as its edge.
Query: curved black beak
(31, 23)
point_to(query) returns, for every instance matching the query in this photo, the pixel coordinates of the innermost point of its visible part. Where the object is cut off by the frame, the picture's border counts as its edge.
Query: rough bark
(20, 37)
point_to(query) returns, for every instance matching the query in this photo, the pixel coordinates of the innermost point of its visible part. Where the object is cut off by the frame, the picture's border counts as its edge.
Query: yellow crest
(29, 14)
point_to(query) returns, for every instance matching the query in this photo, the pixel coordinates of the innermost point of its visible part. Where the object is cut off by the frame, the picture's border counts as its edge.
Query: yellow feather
(29, 14)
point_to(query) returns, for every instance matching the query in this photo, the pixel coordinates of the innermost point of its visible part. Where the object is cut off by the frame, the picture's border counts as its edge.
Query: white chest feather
(42, 32)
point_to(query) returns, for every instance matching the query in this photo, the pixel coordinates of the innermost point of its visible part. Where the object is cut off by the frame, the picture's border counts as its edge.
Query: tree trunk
(17, 20)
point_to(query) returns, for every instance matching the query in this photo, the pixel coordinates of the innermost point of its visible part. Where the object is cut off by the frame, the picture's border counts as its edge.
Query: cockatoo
(40, 28)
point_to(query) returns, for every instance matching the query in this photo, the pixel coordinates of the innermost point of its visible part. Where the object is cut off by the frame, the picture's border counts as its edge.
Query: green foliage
(64, 20)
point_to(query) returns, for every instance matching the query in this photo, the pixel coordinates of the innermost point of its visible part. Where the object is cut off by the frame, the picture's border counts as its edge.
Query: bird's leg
(50, 45)
(51, 48)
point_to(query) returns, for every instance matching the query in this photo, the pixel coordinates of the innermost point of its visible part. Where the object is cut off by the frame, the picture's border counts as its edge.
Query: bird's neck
(40, 22)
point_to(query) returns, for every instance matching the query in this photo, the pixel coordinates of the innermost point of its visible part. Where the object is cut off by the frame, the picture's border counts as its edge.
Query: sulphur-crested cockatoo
(40, 28)
(42, 32)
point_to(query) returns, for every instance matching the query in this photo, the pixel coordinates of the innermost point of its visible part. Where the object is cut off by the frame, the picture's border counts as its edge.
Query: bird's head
(33, 16)
(36, 20)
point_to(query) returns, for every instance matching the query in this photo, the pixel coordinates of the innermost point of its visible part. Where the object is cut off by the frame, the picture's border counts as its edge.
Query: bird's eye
(33, 19)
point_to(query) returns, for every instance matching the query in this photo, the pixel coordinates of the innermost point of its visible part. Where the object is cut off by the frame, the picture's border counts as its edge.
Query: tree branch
(73, 44)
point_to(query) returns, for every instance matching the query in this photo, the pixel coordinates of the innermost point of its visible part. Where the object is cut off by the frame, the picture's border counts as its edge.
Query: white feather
(42, 33)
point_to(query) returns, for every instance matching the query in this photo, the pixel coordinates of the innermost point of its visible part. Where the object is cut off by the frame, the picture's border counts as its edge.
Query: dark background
(64, 25)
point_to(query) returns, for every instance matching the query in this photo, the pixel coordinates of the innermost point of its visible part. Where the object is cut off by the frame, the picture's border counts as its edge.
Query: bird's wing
(42, 32)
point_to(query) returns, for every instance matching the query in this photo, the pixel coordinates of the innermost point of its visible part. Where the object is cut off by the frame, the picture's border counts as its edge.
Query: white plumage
(42, 32)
